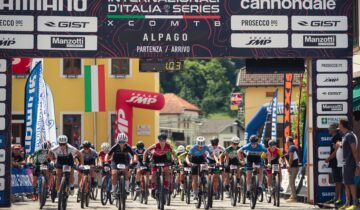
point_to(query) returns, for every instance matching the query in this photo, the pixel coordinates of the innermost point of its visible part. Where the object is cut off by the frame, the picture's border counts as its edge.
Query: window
(120, 67)
(356, 23)
(270, 94)
(112, 126)
(71, 67)
(18, 129)
(72, 128)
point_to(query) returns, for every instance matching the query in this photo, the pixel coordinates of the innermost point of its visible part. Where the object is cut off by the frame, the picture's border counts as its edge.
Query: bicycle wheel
(268, 193)
(121, 194)
(94, 192)
(210, 191)
(238, 188)
(87, 191)
(146, 190)
(277, 191)
(132, 186)
(53, 190)
(205, 184)
(243, 188)
(261, 194)
(43, 191)
(221, 187)
(187, 189)
(103, 192)
(233, 191)
(62, 195)
(82, 186)
(253, 198)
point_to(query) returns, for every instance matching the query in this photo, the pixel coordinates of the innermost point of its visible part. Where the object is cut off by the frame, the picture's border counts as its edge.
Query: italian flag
(94, 83)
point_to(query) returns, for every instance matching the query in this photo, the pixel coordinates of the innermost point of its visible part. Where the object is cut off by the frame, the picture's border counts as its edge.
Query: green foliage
(220, 115)
(205, 83)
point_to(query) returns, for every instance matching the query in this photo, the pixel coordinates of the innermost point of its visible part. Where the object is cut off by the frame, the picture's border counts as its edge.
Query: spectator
(17, 156)
(336, 164)
(292, 164)
(349, 145)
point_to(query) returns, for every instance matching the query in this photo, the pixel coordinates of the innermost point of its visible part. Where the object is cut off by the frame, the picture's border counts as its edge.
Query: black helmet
(272, 142)
(214, 141)
(162, 136)
(140, 145)
(86, 144)
(253, 139)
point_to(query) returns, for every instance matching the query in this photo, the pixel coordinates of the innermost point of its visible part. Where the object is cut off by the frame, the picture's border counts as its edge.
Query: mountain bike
(203, 186)
(144, 182)
(84, 186)
(160, 188)
(234, 187)
(43, 185)
(64, 187)
(121, 192)
(254, 192)
(105, 190)
(242, 185)
(185, 193)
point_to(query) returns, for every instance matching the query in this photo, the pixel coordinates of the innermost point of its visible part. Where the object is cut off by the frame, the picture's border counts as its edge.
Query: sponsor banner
(287, 106)
(332, 94)
(332, 80)
(274, 105)
(236, 98)
(329, 107)
(16, 23)
(325, 194)
(16, 41)
(324, 121)
(324, 180)
(259, 23)
(324, 138)
(67, 42)
(21, 180)
(336, 65)
(324, 152)
(67, 24)
(323, 167)
(126, 100)
(319, 23)
(319, 41)
(51, 116)
(259, 40)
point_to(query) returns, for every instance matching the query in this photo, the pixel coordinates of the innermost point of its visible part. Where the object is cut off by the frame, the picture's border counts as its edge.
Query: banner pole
(95, 124)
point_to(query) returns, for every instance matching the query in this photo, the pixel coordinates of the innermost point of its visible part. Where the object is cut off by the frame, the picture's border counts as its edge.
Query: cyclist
(139, 152)
(179, 151)
(40, 157)
(253, 152)
(90, 157)
(231, 157)
(197, 155)
(161, 153)
(64, 154)
(182, 163)
(120, 155)
(273, 158)
(105, 148)
(217, 151)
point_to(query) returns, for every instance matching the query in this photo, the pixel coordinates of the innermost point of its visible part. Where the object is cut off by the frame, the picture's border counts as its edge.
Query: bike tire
(169, 192)
(261, 195)
(62, 195)
(53, 191)
(103, 192)
(94, 193)
(233, 193)
(221, 187)
(210, 191)
(83, 191)
(238, 188)
(277, 191)
(268, 194)
(205, 187)
(132, 187)
(43, 191)
(121, 196)
(243, 188)
(253, 198)
(146, 190)
(88, 191)
(187, 189)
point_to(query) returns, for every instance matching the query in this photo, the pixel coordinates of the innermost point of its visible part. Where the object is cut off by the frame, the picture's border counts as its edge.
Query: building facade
(66, 80)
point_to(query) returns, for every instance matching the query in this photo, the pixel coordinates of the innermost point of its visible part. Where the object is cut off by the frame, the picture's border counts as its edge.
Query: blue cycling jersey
(196, 152)
(249, 150)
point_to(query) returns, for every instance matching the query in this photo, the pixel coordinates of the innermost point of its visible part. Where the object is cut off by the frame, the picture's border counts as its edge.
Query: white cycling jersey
(217, 151)
(64, 152)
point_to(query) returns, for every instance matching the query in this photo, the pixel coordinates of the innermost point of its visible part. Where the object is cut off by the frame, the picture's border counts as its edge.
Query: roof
(177, 105)
(247, 80)
(215, 125)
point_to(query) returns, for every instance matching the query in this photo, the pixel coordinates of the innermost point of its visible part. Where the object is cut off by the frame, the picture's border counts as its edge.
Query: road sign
(236, 99)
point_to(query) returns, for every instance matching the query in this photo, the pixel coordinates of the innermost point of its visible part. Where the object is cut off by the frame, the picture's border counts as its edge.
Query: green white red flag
(94, 84)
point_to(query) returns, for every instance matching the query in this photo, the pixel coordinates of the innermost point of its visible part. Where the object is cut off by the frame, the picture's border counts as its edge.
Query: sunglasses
(162, 139)
(62, 145)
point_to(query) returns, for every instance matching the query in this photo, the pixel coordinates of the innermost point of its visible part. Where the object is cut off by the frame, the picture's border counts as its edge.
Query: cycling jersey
(161, 155)
(217, 151)
(140, 154)
(275, 155)
(196, 152)
(89, 157)
(40, 157)
(120, 156)
(253, 154)
(101, 156)
(232, 152)
(64, 155)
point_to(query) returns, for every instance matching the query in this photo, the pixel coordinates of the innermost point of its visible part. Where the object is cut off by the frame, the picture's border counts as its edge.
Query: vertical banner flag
(31, 107)
(287, 105)
(268, 111)
(274, 115)
(42, 128)
(94, 84)
(51, 116)
(297, 135)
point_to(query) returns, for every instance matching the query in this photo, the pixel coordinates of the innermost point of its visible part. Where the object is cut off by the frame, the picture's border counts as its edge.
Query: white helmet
(62, 139)
(181, 149)
(122, 138)
(235, 140)
(105, 147)
(200, 141)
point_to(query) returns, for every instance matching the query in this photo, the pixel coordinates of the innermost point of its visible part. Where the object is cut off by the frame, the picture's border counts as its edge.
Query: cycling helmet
(86, 144)
(140, 145)
(133, 148)
(235, 140)
(200, 141)
(122, 138)
(92, 146)
(45, 145)
(105, 147)
(181, 149)
(162, 136)
(272, 142)
(62, 139)
(253, 139)
(188, 147)
(214, 141)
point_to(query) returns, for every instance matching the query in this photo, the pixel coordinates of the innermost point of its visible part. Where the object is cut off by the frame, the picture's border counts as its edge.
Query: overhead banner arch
(126, 100)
